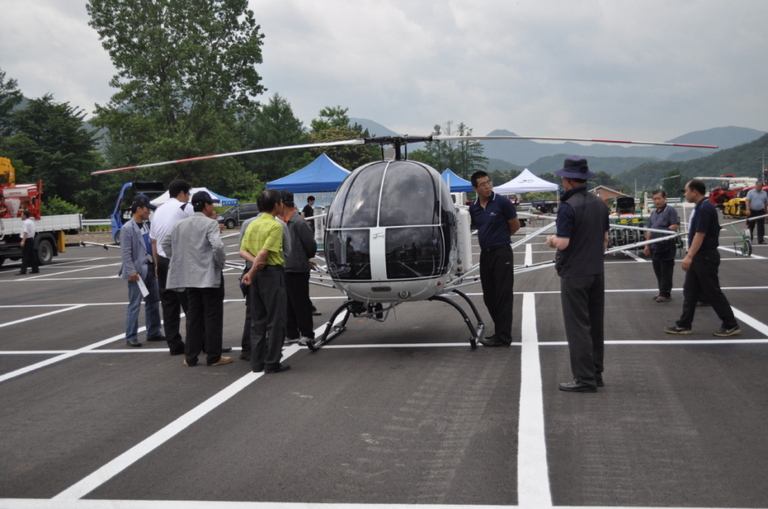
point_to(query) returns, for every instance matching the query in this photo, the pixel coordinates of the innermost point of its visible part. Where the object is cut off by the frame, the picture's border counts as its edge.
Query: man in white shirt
(28, 256)
(167, 215)
(757, 205)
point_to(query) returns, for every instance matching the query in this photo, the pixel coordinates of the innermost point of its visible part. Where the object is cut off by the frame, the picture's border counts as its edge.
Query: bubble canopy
(390, 220)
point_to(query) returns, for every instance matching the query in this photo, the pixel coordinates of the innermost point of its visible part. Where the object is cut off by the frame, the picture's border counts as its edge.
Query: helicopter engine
(391, 233)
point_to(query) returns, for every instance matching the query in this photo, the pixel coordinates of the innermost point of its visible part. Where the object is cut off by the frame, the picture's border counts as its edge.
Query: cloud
(648, 69)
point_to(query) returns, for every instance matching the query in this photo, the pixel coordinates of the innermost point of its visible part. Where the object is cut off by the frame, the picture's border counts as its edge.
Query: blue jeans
(152, 312)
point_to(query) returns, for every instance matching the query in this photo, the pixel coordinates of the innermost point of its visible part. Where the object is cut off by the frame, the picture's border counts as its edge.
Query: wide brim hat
(575, 167)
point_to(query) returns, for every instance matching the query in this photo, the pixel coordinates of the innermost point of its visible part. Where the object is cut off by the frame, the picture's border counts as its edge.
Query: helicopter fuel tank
(391, 233)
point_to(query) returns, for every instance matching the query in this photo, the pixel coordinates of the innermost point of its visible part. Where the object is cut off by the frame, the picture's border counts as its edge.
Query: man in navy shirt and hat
(581, 241)
(496, 220)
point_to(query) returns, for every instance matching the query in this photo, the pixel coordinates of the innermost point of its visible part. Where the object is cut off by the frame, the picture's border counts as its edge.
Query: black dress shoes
(577, 385)
(277, 369)
(159, 337)
(225, 349)
(135, 342)
(493, 341)
(599, 380)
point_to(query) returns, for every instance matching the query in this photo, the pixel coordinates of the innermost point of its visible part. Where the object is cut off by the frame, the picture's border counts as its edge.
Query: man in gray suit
(137, 267)
(197, 259)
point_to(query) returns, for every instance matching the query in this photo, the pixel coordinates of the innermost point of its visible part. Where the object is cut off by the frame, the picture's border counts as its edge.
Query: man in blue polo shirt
(496, 220)
(701, 266)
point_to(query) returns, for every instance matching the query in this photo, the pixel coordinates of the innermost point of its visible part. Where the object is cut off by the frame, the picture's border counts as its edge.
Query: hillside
(533, 154)
(743, 161)
(526, 152)
(611, 165)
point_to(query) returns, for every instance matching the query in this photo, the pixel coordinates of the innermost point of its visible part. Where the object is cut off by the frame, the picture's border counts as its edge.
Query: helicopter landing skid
(477, 333)
(332, 329)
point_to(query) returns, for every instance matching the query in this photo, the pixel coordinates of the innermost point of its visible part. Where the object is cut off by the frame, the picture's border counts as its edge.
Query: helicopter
(394, 235)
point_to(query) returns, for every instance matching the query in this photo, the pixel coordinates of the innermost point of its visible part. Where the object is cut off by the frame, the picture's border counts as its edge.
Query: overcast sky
(647, 70)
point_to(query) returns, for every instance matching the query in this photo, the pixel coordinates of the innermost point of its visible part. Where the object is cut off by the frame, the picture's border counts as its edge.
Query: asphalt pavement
(401, 413)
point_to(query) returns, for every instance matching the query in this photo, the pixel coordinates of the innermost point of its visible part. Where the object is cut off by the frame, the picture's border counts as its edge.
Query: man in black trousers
(701, 265)
(496, 220)
(581, 241)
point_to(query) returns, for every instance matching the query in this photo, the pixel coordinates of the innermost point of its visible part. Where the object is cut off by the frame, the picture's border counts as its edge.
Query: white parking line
(135, 453)
(532, 471)
(59, 358)
(71, 308)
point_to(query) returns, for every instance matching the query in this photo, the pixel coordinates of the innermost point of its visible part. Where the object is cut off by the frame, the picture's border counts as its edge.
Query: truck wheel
(554, 209)
(117, 237)
(230, 223)
(45, 252)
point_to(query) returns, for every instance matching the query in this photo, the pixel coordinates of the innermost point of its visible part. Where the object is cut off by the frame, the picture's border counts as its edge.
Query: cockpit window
(414, 252)
(409, 196)
(348, 254)
(357, 200)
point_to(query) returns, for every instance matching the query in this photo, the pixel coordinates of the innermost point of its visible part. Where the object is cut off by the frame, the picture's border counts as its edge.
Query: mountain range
(618, 158)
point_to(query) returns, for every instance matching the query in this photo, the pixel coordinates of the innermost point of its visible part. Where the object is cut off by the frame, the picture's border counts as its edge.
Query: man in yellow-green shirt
(263, 240)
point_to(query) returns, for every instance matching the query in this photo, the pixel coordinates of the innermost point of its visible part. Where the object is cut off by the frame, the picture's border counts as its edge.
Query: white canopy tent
(218, 200)
(526, 182)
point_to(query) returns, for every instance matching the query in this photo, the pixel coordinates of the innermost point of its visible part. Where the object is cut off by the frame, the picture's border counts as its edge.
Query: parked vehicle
(49, 230)
(122, 212)
(545, 206)
(235, 216)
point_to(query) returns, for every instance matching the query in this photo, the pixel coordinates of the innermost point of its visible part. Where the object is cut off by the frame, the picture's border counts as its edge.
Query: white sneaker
(303, 340)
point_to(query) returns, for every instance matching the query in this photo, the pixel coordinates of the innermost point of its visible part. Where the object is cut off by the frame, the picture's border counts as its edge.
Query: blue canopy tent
(321, 175)
(456, 183)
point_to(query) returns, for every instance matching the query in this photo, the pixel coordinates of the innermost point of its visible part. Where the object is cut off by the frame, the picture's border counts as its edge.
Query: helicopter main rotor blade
(357, 141)
(549, 138)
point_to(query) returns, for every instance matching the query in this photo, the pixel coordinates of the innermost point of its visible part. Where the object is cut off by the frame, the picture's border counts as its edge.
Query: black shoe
(20, 274)
(316, 313)
(676, 329)
(277, 369)
(493, 341)
(761, 242)
(177, 352)
(577, 385)
(190, 364)
(135, 342)
(724, 333)
(258, 369)
(225, 349)
(156, 338)
(599, 380)
(245, 356)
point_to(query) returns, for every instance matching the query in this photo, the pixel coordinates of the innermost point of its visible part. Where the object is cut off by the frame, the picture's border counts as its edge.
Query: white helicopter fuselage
(392, 234)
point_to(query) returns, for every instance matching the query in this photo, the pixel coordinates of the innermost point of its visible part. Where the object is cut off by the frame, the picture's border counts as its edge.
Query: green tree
(272, 125)
(186, 69)
(672, 183)
(51, 140)
(10, 96)
(333, 125)
(464, 157)
(602, 178)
